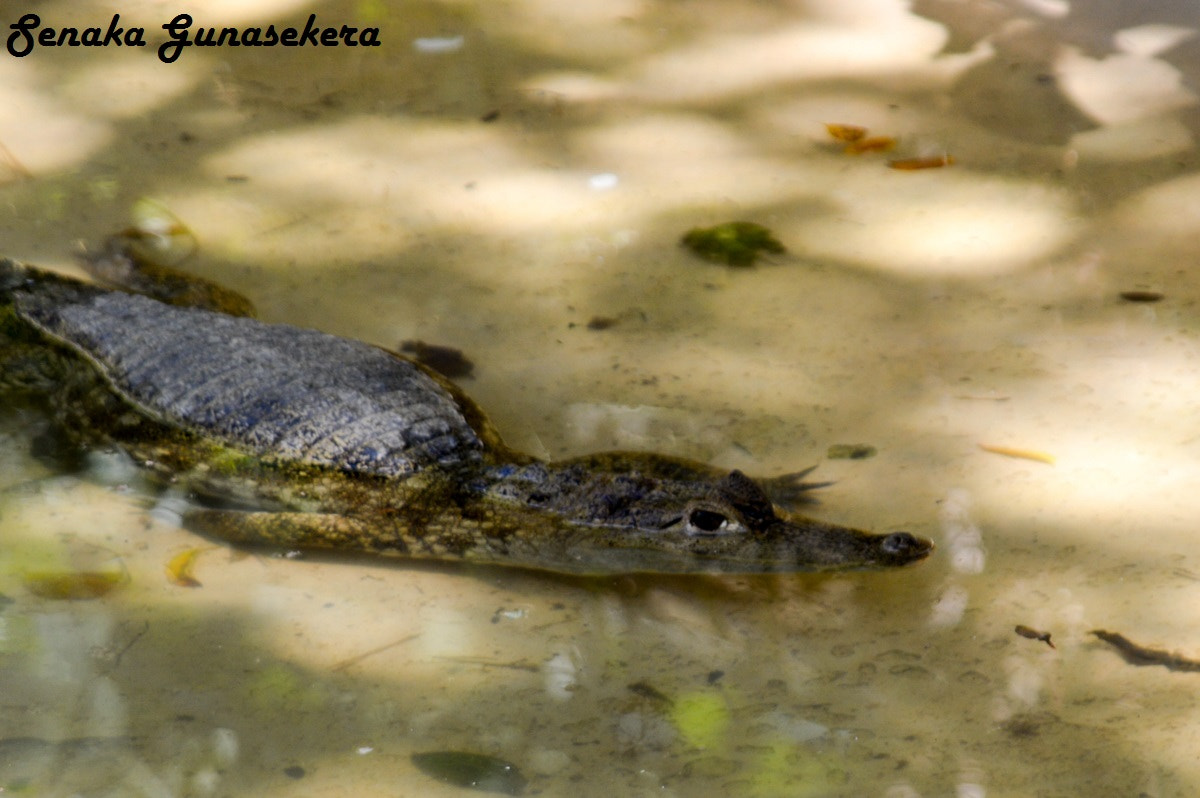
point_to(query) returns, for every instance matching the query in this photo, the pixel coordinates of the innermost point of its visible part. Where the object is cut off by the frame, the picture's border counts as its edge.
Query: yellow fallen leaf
(1024, 454)
(845, 132)
(700, 718)
(871, 144)
(179, 568)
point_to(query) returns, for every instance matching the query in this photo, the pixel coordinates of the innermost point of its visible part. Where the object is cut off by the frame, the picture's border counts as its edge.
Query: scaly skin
(445, 487)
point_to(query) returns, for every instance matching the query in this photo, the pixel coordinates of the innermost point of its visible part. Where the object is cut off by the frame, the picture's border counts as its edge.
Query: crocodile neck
(523, 512)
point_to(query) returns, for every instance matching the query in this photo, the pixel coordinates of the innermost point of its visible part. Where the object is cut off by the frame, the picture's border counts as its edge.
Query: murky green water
(496, 192)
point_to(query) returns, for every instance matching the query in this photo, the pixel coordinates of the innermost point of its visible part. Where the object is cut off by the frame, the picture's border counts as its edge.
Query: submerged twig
(487, 663)
(17, 167)
(1023, 454)
(346, 663)
(116, 661)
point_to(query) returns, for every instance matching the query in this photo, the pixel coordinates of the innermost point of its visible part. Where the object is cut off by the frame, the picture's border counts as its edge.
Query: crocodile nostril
(900, 543)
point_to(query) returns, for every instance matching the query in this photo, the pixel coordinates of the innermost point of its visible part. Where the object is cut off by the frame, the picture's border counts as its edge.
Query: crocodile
(296, 440)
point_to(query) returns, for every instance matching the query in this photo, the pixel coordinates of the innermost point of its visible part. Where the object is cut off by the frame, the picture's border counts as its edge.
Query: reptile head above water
(631, 512)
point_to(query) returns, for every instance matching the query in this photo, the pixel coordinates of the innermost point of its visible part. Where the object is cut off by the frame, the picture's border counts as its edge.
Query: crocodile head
(627, 521)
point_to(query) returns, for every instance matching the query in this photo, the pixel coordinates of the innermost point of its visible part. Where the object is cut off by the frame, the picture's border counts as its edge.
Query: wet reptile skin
(295, 439)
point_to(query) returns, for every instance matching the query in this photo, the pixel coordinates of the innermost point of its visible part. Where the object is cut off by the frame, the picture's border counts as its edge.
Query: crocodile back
(276, 390)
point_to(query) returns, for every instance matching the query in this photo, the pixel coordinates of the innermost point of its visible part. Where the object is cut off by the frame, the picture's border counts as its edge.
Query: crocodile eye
(706, 520)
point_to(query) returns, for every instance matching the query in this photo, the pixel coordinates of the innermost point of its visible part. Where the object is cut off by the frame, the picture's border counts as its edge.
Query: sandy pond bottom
(282, 676)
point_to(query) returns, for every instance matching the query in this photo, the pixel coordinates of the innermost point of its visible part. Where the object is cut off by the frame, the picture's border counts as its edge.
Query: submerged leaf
(1023, 454)
(162, 232)
(913, 164)
(842, 132)
(871, 144)
(701, 718)
(179, 568)
(73, 585)
(476, 771)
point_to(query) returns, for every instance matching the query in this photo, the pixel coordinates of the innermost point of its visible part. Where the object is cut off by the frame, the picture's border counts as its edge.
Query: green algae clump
(732, 243)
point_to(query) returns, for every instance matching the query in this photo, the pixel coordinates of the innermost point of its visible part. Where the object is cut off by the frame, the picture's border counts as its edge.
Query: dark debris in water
(471, 770)
(445, 360)
(647, 690)
(1139, 295)
(732, 243)
(851, 451)
(602, 322)
(1034, 634)
(1136, 654)
(1029, 725)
